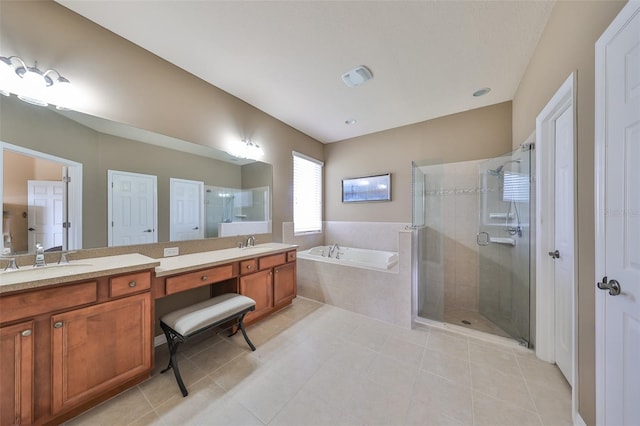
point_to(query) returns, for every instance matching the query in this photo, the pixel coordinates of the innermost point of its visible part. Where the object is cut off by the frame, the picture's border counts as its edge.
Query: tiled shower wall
(452, 212)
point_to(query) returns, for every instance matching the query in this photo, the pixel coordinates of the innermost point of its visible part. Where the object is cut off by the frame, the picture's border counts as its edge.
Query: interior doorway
(555, 231)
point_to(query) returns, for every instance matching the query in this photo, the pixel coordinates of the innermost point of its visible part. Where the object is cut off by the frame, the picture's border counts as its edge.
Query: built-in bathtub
(370, 282)
(350, 256)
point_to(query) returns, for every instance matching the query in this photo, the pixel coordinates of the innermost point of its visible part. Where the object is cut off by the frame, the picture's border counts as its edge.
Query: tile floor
(320, 365)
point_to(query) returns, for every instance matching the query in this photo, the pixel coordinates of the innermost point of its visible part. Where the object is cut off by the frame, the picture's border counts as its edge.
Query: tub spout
(333, 248)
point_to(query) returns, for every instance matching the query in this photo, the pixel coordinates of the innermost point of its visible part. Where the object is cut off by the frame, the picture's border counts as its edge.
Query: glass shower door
(429, 240)
(504, 243)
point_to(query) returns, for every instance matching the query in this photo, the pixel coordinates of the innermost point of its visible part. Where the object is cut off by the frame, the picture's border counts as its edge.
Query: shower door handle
(554, 254)
(483, 238)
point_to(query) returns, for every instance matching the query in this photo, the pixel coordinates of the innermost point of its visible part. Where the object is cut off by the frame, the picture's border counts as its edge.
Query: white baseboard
(159, 340)
(578, 420)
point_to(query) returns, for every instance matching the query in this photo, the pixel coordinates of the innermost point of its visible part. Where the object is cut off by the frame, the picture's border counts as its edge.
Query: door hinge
(66, 179)
(66, 225)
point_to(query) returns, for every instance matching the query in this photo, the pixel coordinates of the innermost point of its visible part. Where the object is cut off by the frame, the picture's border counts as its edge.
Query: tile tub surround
(382, 295)
(317, 364)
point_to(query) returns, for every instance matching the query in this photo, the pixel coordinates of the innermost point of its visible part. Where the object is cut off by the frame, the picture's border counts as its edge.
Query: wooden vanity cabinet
(284, 284)
(259, 287)
(272, 287)
(98, 347)
(16, 371)
(66, 348)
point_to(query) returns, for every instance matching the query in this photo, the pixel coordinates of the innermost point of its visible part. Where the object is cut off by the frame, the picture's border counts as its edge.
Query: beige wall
(122, 82)
(567, 45)
(471, 135)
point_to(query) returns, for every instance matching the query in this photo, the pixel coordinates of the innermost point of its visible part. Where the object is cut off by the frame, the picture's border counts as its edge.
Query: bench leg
(244, 333)
(173, 341)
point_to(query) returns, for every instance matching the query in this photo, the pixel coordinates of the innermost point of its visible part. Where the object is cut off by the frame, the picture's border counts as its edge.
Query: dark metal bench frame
(174, 339)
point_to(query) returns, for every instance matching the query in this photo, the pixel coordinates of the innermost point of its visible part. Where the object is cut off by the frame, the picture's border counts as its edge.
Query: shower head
(496, 172)
(500, 169)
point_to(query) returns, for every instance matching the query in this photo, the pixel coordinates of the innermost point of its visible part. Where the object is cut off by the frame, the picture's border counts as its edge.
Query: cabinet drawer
(199, 278)
(248, 266)
(292, 255)
(273, 260)
(130, 283)
(37, 302)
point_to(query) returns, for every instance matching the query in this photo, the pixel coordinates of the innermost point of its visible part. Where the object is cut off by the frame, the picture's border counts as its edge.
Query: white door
(45, 201)
(564, 243)
(618, 220)
(133, 215)
(186, 200)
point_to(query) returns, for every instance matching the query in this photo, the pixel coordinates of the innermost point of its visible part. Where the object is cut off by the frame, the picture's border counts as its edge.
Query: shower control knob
(554, 254)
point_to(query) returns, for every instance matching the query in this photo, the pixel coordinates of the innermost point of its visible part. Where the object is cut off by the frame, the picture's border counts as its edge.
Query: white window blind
(307, 194)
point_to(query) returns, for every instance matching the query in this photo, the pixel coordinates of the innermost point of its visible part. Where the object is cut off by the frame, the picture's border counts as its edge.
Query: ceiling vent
(357, 76)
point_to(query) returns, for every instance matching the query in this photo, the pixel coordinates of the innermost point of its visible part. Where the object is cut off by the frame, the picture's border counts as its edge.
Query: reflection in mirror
(39, 192)
(98, 145)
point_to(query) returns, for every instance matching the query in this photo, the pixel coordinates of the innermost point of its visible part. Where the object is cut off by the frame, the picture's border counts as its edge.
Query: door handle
(613, 286)
(196, 228)
(32, 229)
(554, 254)
(148, 230)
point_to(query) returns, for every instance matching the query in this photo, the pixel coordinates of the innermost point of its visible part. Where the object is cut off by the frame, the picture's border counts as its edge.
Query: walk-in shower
(472, 243)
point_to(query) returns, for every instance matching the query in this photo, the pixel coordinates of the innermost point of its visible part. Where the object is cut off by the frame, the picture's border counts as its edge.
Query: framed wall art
(367, 188)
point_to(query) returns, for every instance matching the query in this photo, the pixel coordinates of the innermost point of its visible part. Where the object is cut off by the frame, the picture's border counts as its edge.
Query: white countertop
(188, 262)
(30, 277)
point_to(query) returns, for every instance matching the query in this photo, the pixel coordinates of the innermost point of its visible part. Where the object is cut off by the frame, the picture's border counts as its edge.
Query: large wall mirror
(63, 185)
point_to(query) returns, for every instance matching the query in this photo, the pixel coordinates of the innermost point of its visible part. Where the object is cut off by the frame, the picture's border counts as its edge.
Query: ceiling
(287, 57)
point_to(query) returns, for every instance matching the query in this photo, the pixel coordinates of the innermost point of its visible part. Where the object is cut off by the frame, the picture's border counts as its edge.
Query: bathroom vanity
(75, 335)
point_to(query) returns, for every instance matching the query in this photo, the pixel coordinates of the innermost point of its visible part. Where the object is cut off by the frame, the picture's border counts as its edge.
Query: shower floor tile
(312, 366)
(476, 321)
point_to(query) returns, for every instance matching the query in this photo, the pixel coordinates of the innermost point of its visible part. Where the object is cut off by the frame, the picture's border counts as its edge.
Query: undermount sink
(52, 268)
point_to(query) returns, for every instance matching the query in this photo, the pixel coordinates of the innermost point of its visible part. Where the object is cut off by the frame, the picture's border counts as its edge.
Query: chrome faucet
(333, 248)
(251, 241)
(64, 257)
(11, 264)
(39, 256)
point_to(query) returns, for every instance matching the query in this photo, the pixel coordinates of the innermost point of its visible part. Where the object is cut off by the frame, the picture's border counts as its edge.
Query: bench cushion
(195, 317)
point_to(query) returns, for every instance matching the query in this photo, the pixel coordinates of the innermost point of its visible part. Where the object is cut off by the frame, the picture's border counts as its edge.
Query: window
(307, 194)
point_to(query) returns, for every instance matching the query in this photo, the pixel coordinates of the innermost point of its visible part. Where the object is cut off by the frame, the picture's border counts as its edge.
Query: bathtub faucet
(333, 248)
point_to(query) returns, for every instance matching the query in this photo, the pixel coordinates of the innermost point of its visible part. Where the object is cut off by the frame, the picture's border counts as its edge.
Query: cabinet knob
(58, 324)
(132, 284)
(204, 278)
(26, 333)
(248, 266)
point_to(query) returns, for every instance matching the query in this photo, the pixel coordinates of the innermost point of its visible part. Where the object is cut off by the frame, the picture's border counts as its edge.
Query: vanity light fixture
(31, 84)
(246, 148)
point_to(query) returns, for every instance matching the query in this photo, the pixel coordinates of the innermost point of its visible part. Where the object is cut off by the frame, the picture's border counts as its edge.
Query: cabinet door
(99, 347)
(284, 284)
(16, 374)
(259, 287)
